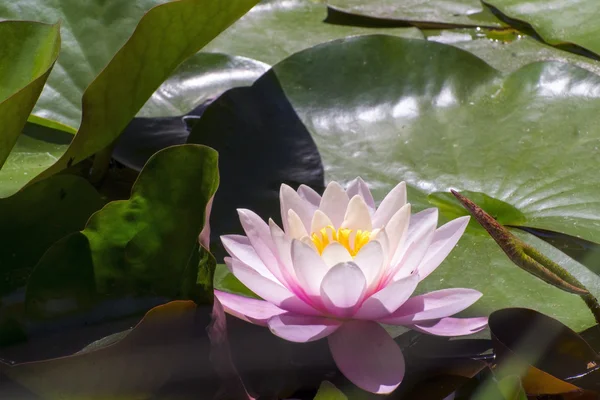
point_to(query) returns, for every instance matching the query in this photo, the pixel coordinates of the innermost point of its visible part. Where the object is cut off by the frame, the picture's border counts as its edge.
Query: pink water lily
(341, 266)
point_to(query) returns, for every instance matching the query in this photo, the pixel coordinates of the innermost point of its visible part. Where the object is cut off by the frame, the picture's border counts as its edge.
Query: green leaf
(28, 51)
(508, 50)
(143, 246)
(422, 12)
(328, 391)
(37, 148)
(275, 29)
(35, 218)
(201, 78)
(556, 22)
(227, 282)
(165, 36)
(440, 118)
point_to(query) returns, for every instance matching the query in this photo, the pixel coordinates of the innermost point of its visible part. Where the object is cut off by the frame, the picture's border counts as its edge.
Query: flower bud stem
(529, 258)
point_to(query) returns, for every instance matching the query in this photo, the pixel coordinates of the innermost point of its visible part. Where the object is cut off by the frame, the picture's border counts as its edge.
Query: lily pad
(557, 22)
(422, 12)
(176, 30)
(440, 118)
(275, 29)
(508, 50)
(201, 78)
(27, 52)
(144, 246)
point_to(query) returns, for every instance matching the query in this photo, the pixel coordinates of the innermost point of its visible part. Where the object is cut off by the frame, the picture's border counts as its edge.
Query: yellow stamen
(350, 239)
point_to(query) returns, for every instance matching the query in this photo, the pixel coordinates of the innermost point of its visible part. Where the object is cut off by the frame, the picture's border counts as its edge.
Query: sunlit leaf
(28, 51)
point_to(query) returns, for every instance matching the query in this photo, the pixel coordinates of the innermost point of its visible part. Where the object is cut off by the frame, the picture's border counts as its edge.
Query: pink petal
(394, 200)
(204, 237)
(309, 267)
(283, 248)
(239, 247)
(419, 237)
(251, 310)
(270, 291)
(301, 328)
(444, 240)
(357, 215)
(452, 326)
(397, 227)
(370, 260)
(359, 187)
(290, 200)
(342, 289)
(334, 203)
(367, 355)
(433, 305)
(383, 303)
(335, 253)
(309, 194)
(319, 221)
(259, 236)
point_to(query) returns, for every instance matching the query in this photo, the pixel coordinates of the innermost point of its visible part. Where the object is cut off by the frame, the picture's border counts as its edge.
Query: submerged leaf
(551, 358)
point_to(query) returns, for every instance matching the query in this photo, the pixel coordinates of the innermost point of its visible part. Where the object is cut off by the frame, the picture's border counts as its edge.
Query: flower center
(352, 240)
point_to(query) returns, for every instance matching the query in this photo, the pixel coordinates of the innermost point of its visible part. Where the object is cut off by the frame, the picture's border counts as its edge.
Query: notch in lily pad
(528, 258)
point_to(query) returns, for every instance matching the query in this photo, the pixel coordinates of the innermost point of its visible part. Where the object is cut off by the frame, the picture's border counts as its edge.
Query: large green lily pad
(508, 50)
(422, 12)
(201, 78)
(440, 118)
(164, 37)
(557, 22)
(28, 51)
(275, 29)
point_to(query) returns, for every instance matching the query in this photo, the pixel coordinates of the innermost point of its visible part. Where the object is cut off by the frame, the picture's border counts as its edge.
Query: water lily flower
(340, 268)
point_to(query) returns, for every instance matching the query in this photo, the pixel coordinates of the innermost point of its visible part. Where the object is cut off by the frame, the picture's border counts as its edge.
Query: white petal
(357, 215)
(334, 203)
(383, 303)
(302, 328)
(397, 227)
(290, 200)
(309, 194)
(319, 221)
(370, 260)
(419, 237)
(444, 240)
(342, 289)
(394, 200)
(239, 247)
(334, 254)
(359, 187)
(310, 268)
(296, 229)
